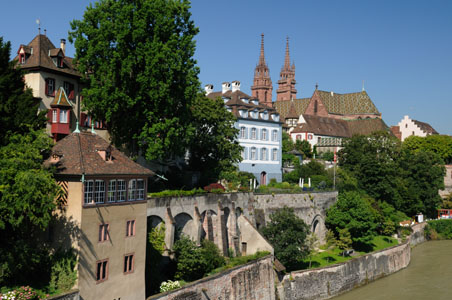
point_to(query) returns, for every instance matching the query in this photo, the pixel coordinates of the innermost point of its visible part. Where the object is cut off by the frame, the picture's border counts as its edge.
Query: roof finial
(316, 86)
(363, 86)
(77, 130)
(92, 128)
(39, 25)
(45, 32)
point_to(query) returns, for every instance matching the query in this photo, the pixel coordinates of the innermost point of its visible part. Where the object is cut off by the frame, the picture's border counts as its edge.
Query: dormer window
(243, 113)
(105, 153)
(59, 62)
(255, 101)
(264, 115)
(22, 58)
(245, 100)
(275, 117)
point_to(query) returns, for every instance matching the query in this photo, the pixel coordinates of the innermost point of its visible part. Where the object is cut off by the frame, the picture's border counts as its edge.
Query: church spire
(262, 56)
(262, 84)
(286, 83)
(287, 57)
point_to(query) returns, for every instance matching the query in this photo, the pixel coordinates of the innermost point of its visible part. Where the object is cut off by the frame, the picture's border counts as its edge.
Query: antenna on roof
(39, 25)
(363, 86)
(45, 32)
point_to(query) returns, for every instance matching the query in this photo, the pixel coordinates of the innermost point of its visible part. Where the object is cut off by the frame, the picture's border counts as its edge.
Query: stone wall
(310, 207)
(331, 281)
(71, 295)
(253, 281)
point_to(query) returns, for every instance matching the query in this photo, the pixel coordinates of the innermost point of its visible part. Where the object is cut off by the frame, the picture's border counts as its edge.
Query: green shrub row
(439, 229)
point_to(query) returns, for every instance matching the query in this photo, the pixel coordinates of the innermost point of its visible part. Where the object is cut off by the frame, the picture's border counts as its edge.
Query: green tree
(439, 144)
(304, 147)
(287, 233)
(287, 143)
(141, 77)
(344, 240)
(216, 148)
(27, 194)
(18, 108)
(354, 213)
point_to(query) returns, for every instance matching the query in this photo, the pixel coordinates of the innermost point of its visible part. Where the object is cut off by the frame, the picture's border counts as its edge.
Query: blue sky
(401, 49)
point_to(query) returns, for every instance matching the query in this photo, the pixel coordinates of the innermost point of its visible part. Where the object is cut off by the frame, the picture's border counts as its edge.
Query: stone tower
(286, 83)
(262, 85)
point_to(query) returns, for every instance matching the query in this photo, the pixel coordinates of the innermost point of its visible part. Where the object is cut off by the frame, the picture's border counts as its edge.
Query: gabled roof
(323, 126)
(366, 126)
(425, 127)
(236, 103)
(339, 128)
(40, 58)
(79, 156)
(283, 107)
(292, 114)
(60, 99)
(348, 104)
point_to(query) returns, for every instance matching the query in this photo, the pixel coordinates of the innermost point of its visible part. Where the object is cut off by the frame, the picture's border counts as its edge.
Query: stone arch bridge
(231, 220)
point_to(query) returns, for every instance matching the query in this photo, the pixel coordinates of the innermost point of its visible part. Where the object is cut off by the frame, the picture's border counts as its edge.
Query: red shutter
(49, 116)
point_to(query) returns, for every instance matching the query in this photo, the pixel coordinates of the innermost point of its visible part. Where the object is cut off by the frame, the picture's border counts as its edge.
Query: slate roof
(60, 99)
(339, 128)
(234, 100)
(40, 58)
(348, 104)
(79, 156)
(425, 127)
(283, 107)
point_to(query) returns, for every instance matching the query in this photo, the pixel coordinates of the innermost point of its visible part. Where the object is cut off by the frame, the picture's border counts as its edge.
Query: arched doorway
(263, 180)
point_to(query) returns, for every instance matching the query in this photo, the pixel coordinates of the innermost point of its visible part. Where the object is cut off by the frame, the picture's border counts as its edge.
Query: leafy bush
(177, 193)
(63, 273)
(169, 285)
(328, 156)
(23, 293)
(194, 262)
(287, 233)
(214, 187)
(439, 229)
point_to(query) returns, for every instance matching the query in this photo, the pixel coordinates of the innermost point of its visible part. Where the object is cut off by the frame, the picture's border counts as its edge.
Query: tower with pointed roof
(262, 88)
(286, 83)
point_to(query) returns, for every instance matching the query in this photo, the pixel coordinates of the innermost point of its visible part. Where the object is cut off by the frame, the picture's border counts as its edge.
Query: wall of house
(408, 127)
(253, 281)
(272, 168)
(118, 284)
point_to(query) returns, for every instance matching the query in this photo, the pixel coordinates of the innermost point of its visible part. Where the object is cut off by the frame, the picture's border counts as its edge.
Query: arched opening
(208, 219)
(263, 180)
(184, 226)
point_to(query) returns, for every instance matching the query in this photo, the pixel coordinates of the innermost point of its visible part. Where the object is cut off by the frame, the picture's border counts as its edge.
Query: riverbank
(325, 283)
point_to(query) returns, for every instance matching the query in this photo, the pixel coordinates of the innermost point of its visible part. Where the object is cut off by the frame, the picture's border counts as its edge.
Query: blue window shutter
(246, 152)
(266, 155)
(246, 133)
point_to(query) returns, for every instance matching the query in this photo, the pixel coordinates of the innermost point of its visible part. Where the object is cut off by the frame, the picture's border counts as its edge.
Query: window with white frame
(275, 154)
(54, 116)
(89, 191)
(242, 132)
(132, 190)
(111, 195)
(63, 116)
(121, 190)
(264, 154)
(253, 153)
(264, 134)
(253, 133)
(275, 135)
(140, 189)
(99, 191)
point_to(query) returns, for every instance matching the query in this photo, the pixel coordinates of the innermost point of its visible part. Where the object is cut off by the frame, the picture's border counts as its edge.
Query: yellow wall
(118, 284)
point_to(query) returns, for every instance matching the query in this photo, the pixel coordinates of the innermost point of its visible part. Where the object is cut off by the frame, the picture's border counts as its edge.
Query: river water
(428, 276)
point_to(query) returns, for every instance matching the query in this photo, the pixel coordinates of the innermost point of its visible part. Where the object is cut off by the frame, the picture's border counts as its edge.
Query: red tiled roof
(79, 155)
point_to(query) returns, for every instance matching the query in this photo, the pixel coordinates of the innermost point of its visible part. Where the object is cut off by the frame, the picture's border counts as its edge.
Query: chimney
(332, 93)
(63, 45)
(208, 88)
(235, 86)
(225, 86)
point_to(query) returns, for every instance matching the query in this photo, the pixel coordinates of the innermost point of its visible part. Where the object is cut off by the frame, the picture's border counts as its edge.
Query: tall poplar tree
(140, 75)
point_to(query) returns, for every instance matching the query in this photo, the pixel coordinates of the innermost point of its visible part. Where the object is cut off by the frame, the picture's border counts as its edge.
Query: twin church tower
(262, 88)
